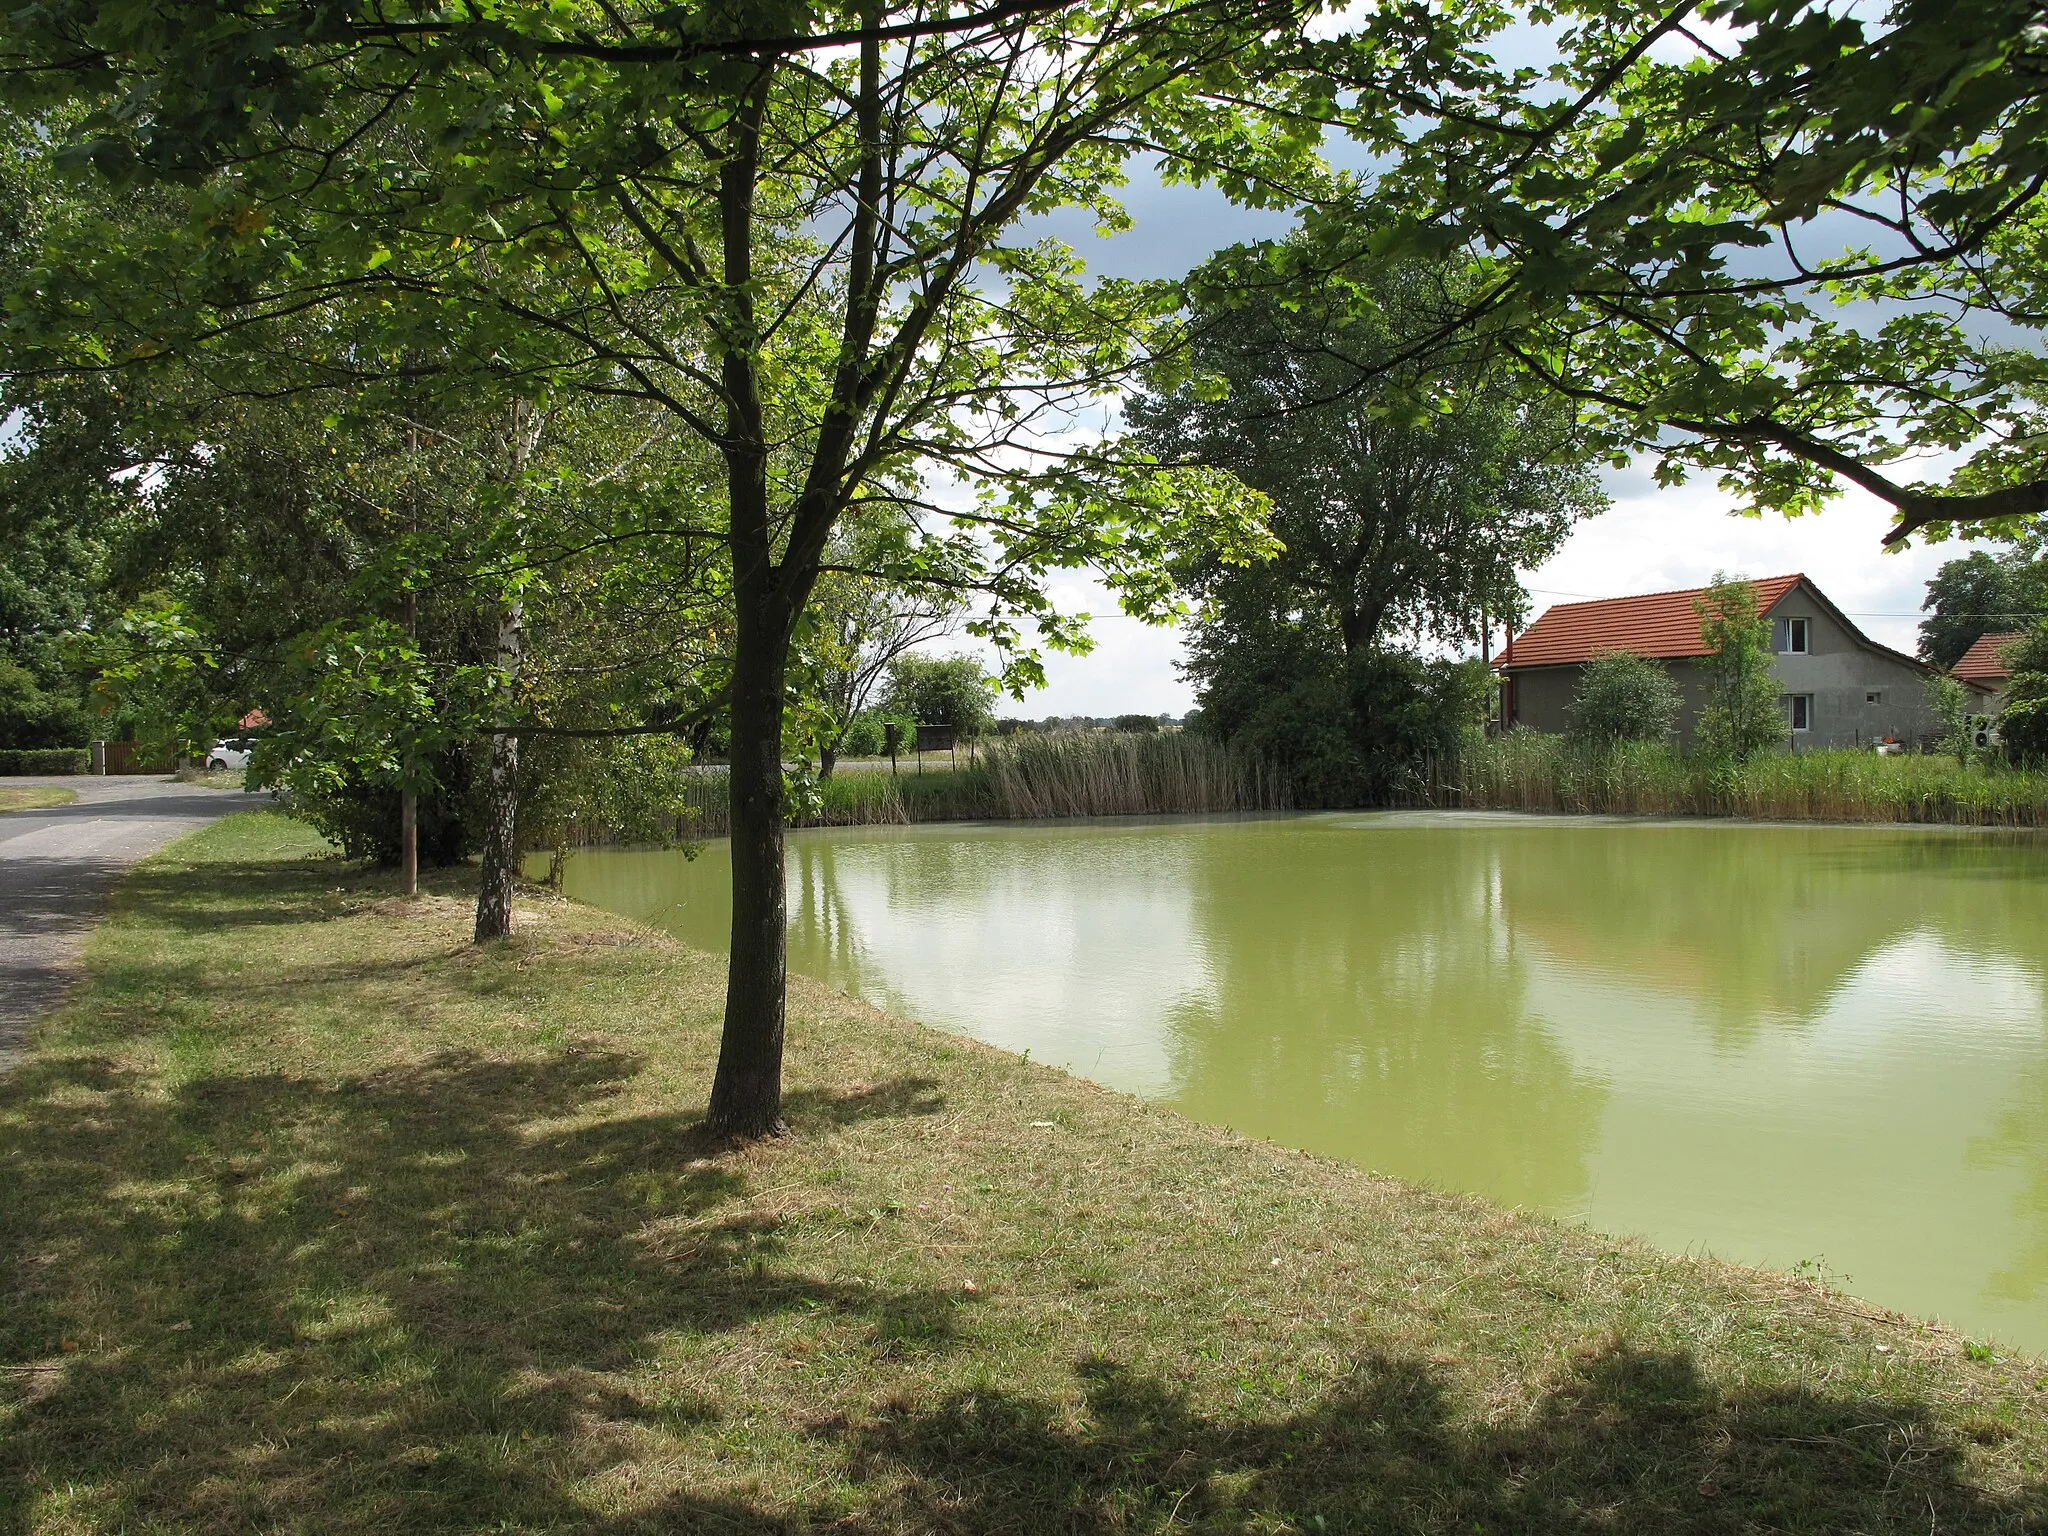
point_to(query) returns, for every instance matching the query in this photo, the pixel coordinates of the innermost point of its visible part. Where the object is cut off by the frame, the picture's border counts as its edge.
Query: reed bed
(1525, 771)
(1032, 777)
(1027, 778)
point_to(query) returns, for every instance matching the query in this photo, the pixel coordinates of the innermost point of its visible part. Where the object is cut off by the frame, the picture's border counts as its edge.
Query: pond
(1785, 1045)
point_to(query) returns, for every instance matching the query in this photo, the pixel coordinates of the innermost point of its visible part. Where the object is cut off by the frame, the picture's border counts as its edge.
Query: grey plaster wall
(1858, 695)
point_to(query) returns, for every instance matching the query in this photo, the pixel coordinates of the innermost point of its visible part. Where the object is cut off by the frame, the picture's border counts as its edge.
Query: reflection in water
(1779, 1043)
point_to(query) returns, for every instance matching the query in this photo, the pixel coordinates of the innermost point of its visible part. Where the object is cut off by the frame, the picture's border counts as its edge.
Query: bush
(366, 819)
(2023, 721)
(1949, 702)
(865, 737)
(1623, 697)
(623, 790)
(32, 715)
(1346, 736)
(45, 760)
(1138, 725)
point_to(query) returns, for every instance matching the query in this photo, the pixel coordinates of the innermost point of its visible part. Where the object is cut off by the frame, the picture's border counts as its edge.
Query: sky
(1651, 539)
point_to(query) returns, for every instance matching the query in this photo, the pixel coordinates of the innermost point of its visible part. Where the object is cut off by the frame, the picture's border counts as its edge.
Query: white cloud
(1654, 540)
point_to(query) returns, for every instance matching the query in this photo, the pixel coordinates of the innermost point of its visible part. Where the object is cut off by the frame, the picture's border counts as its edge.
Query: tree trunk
(501, 829)
(501, 841)
(409, 842)
(828, 759)
(746, 1094)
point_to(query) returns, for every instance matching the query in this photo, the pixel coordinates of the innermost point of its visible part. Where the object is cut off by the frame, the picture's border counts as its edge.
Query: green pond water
(1774, 1043)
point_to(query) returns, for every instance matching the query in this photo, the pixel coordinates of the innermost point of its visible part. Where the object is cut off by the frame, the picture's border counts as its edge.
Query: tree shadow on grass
(255, 893)
(425, 1297)
(1629, 1441)
(358, 1301)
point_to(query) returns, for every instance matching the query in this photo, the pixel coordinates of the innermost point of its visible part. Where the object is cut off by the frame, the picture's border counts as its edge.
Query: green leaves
(1792, 260)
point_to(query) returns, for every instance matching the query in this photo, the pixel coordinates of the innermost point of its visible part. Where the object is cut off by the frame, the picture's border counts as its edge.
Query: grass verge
(33, 797)
(212, 778)
(318, 1218)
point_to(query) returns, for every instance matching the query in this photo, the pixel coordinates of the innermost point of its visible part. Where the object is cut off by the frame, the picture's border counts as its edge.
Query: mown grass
(33, 797)
(319, 1219)
(1529, 771)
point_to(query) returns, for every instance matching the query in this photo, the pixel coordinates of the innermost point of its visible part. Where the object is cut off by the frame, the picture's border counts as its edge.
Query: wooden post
(408, 801)
(409, 841)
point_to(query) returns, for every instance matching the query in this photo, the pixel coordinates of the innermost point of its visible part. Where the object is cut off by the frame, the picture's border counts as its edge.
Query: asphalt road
(56, 867)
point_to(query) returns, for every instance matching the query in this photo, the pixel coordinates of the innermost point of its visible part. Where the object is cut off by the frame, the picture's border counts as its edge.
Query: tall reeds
(1527, 771)
(1102, 774)
(1028, 778)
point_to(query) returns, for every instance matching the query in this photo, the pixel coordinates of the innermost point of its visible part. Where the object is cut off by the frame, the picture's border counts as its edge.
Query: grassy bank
(319, 1219)
(33, 797)
(1526, 771)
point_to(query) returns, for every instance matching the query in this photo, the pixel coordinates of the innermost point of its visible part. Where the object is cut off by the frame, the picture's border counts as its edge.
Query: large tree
(1407, 497)
(1979, 595)
(795, 231)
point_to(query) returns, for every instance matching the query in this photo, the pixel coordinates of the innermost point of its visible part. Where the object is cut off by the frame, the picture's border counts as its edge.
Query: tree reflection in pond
(1778, 1042)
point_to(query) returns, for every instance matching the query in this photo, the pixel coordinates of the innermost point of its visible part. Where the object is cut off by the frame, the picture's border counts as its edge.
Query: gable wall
(1839, 673)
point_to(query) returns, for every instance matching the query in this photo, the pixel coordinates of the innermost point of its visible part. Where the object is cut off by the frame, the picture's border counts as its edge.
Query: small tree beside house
(1744, 714)
(1623, 697)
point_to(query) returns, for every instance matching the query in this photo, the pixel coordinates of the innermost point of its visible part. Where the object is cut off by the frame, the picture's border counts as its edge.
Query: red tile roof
(1981, 663)
(1660, 624)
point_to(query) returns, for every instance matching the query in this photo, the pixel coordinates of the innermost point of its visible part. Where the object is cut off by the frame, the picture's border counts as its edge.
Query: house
(1985, 671)
(1841, 688)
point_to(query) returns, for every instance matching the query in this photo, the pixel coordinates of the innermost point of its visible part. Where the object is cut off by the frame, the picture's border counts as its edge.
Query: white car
(229, 752)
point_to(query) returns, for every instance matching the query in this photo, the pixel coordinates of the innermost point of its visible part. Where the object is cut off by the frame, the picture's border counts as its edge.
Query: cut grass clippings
(33, 797)
(319, 1219)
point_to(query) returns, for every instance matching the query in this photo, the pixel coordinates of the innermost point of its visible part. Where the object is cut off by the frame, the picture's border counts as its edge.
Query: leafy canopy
(1979, 595)
(1790, 245)
(1405, 498)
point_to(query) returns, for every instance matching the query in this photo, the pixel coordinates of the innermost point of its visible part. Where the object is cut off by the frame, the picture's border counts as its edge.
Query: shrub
(1623, 697)
(34, 715)
(1347, 736)
(2023, 719)
(866, 736)
(365, 819)
(1138, 725)
(942, 690)
(52, 760)
(1949, 702)
(630, 789)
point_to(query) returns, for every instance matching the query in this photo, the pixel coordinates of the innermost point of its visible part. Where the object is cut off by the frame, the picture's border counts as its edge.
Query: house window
(1800, 707)
(1793, 636)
